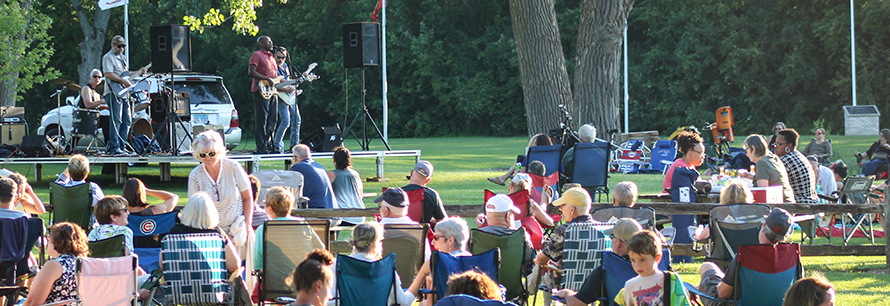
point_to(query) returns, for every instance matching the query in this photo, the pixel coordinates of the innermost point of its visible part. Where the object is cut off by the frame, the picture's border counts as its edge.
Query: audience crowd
(223, 199)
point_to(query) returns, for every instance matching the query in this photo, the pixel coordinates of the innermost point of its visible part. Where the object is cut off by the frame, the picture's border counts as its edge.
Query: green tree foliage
(25, 48)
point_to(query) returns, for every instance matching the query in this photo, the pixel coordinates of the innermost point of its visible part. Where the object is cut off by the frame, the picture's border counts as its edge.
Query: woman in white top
(224, 180)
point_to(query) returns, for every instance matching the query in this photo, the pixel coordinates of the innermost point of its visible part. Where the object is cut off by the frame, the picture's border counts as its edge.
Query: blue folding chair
(663, 155)
(550, 156)
(146, 230)
(13, 247)
(765, 274)
(444, 265)
(361, 282)
(617, 270)
(469, 300)
(591, 168)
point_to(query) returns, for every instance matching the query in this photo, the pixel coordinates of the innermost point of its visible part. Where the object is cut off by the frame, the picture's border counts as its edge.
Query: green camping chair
(108, 247)
(72, 204)
(515, 259)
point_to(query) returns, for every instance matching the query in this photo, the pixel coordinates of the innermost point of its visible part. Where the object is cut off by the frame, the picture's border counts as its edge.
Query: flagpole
(127, 32)
(383, 63)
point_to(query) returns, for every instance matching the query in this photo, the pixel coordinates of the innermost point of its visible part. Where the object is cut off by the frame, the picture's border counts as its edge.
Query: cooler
(771, 194)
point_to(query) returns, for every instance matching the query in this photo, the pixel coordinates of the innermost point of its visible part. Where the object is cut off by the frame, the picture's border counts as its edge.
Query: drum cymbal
(67, 84)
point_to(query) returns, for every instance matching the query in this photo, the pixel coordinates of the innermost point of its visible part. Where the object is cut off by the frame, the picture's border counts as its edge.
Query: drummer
(89, 98)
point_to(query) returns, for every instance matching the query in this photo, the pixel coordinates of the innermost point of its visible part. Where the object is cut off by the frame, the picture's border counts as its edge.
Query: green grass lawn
(463, 164)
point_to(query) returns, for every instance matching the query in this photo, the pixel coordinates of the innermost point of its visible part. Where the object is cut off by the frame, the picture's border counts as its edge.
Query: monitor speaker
(37, 146)
(170, 49)
(325, 140)
(361, 44)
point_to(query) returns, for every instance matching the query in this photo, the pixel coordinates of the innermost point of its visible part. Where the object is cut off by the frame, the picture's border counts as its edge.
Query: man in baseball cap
(499, 217)
(575, 207)
(394, 207)
(592, 289)
(433, 208)
(714, 282)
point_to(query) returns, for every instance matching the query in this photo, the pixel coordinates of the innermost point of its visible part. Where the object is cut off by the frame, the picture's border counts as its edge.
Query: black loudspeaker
(170, 49)
(325, 140)
(37, 146)
(361, 45)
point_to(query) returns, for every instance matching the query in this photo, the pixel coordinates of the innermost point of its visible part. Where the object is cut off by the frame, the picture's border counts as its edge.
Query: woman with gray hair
(199, 216)
(224, 180)
(367, 245)
(452, 235)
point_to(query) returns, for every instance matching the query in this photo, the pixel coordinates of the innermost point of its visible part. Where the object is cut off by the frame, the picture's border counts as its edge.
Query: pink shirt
(265, 65)
(670, 173)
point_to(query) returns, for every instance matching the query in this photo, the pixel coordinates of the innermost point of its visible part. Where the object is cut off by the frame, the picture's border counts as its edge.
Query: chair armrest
(689, 287)
(235, 274)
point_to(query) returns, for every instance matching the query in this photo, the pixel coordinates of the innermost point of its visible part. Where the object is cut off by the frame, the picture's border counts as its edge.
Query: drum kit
(85, 122)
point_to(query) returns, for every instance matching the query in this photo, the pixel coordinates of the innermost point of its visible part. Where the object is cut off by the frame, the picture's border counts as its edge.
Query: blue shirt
(316, 184)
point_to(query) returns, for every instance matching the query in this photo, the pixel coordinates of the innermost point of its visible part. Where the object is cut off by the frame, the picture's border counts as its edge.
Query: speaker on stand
(361, 48)
(170, 53)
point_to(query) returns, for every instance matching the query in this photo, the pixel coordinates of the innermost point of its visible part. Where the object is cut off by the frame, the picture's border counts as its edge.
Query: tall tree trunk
(545, 82)
(8, 83)
(93, 41)
(598, 63)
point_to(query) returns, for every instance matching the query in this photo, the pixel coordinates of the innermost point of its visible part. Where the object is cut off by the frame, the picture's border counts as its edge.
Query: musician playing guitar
(262, 67)
(288, 113)
(114, 63)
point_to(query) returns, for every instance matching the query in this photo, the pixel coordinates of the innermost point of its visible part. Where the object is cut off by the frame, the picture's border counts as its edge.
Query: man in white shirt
(394, 207)
(824, 176)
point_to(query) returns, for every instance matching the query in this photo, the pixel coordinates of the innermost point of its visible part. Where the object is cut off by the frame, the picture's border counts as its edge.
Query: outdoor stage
(251, 161)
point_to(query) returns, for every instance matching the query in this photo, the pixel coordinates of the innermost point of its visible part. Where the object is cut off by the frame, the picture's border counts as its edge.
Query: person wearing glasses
(224, 181)
(680, 162)
(770, 171)
(452, 235)
(819, 147)
(288, 115)
(772, 139)
(89, 97)
(800, 174)
(114, 63)
(683, 186)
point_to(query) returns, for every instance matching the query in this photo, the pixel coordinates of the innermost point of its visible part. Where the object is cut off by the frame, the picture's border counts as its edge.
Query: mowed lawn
(462, 165)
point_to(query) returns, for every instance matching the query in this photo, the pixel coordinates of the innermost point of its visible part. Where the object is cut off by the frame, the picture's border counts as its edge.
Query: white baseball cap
(500, 203)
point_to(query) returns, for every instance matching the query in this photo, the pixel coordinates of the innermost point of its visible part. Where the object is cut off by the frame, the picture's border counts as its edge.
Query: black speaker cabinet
(159, 106)
(325, 140)
(170, 49)
(37, 145)
(361, 44)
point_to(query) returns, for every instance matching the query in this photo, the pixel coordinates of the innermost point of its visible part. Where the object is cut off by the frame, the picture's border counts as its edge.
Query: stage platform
(251, 161)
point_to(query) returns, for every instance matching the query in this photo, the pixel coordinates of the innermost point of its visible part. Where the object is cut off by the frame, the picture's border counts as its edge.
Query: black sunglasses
(211, 154)
(97, 76)
(281, 57)
(121, 46)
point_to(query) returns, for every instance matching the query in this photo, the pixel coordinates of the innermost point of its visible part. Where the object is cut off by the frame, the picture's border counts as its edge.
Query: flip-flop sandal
(495, 180)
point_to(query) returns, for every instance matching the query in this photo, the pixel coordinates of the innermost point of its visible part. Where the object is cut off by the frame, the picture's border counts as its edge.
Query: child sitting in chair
(111, 212)
(649, 286)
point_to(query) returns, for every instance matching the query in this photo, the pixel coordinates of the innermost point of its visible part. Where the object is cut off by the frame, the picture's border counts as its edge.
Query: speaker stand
(363, 113)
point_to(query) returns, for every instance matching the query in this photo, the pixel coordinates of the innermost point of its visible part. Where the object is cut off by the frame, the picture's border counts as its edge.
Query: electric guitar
(118, 89)
(268, 90)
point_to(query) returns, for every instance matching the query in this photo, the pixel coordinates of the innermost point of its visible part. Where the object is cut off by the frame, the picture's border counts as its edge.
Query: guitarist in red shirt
(262, 67)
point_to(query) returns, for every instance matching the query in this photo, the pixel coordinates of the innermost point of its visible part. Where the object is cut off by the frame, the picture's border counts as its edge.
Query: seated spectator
(593, 287)
(433, 208)
(474, 284)
(521, 182)
(735, 192)
(714, 283)
(811, 291)
(259, 214)
(625, 194)
(8, 198)
(538, 168)
(876, 154)
(680, 162)
(800, 175)
(316, 184)
(824, 177)
(111, 213)
(279, 203)
(137, 203)
(586, 133)
(26, 199)
(452, 235)
(347, 185)
(575, 207)
(200, 216)
(313, 279)
(819, 147)
(76, 173)
(367, 245)
(770, 171)
(644, 250)
(522, 160)
(393, 205)
(772, 139)
(500, 216)
(56, 280)
(840, 173)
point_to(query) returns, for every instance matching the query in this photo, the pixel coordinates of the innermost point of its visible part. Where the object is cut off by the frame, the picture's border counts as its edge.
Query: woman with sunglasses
(877, 154)
(819, 147)
(682, 187)
(772, 139)
(224, 181)
(452, 235)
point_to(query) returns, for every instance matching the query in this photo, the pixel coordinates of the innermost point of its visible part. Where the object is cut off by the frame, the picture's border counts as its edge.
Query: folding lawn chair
(663, 155)
(469, 300)
(513, 258)
(72, 204)
(631, 156)
(415, 204)
(550, 156)
(366, 283)
(408, 242)
(108, 247)
(13, 249)
(290, 180)
(195, 270)
(732, 226)
(107, 281)
(855, 191)
(585, 242)
(285, 245)
(147, 232)
(591, 168)
(617, 270)
(443, 265)
(765, 274)
(644, 215)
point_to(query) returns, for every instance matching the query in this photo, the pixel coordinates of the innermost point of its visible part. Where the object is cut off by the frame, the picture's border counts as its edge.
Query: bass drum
(142, 127)
(85, 122)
